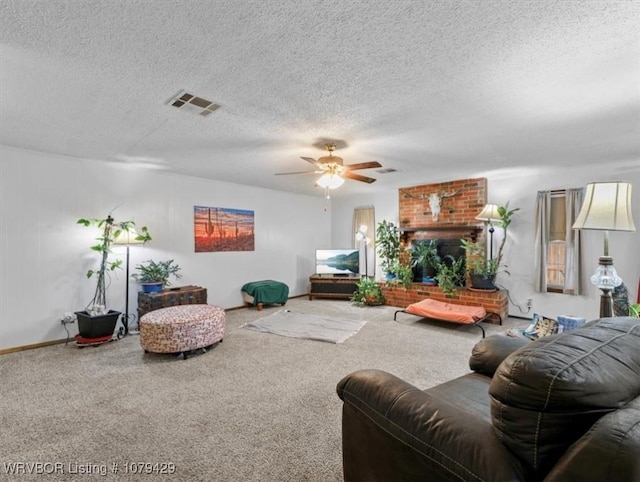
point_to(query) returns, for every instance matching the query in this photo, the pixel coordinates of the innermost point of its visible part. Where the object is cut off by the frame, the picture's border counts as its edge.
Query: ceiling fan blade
(308, 159)
(363, 165)
(358, 177)
(297, 172)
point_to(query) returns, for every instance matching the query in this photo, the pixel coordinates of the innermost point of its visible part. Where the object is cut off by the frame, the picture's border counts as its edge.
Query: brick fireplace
(459, 203)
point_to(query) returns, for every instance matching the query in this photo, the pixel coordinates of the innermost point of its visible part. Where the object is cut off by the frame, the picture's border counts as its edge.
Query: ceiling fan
(333, 170)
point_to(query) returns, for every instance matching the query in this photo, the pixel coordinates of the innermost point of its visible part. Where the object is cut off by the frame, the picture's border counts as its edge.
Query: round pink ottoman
(180, 329)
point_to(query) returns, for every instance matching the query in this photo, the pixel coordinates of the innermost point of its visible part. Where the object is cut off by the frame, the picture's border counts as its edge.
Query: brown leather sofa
(562, 408)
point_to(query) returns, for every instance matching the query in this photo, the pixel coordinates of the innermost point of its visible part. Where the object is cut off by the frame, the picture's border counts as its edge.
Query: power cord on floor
(66, 319)
(514, 303)
(67, 330)
(132, 321)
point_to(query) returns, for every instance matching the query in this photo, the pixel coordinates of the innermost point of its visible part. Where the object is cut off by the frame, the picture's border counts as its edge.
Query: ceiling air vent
(191, 103)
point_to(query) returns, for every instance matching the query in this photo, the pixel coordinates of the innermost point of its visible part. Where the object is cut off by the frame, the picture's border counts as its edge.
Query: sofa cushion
(549, 393)
(489, 353)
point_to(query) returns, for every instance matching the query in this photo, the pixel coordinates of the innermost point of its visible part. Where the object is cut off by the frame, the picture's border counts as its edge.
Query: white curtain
(365, 216)
(543, 214)
(572, 281)
(572, 276)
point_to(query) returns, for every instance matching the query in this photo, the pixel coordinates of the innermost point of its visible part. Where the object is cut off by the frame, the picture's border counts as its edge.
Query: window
(556, 258)
(557, 254)
(557, 246)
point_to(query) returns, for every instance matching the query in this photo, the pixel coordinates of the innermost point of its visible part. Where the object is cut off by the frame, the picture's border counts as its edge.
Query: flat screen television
(340, 262)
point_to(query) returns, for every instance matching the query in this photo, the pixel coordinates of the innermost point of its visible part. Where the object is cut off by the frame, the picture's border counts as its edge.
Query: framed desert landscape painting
(223, 229)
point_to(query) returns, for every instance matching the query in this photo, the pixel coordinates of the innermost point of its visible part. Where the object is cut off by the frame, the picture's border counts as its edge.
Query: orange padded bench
(441, 311)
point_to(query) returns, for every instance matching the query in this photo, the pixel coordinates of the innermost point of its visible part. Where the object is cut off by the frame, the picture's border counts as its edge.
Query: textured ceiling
(436, 90)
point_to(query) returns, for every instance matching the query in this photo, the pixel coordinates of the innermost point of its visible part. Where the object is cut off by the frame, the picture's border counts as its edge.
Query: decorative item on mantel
(606, 207)
(435, 201)
(97, 321)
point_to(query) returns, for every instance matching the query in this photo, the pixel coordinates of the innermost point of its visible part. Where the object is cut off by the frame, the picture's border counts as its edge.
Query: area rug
(311, 327)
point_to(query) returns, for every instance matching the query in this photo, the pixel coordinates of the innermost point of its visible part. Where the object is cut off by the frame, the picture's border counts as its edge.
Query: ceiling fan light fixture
(331, 159)
(330, 181)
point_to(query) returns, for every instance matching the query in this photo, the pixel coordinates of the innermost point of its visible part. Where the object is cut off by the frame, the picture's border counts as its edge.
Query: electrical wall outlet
(68, 318)
(529, 302)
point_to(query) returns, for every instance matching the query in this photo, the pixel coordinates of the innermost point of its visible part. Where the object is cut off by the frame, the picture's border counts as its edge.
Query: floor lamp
(606, 207)
(361, 235)
(127, 238)
(489, 214)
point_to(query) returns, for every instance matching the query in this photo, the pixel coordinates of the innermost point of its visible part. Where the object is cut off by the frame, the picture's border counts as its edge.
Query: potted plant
(451, 274)
(368, 293)
(154, 276)
(388, 246)
(425, 260)
(97, 320)
(483, 270)
(402, 274)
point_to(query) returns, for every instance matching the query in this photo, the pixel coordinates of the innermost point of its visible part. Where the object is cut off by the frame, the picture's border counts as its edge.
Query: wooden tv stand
(329, 286)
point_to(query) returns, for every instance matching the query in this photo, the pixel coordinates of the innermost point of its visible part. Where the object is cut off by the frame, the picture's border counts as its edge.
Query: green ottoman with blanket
(266, 292)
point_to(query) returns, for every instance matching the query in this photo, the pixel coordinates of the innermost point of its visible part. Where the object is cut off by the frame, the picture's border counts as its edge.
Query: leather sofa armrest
(391, 430)
(609, 451)
(489, 353)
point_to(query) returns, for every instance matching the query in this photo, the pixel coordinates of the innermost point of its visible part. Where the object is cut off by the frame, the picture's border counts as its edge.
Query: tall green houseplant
(109, 231)
(388, 245)
(482, 269)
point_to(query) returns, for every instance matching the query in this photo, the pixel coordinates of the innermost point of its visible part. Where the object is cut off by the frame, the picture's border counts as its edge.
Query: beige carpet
(257, 407)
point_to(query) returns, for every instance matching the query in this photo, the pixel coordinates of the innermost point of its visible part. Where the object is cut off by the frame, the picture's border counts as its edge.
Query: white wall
(44, 254)
(520, 187)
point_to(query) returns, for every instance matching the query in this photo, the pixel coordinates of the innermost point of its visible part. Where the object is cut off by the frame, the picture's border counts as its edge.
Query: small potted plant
(97, 320)
(154, 276)
(368, 293)
(451, 274)
(425, 260)
(402, 275)
(482, 270)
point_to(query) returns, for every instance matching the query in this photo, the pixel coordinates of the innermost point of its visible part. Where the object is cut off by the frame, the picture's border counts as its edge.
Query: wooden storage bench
(184, 295)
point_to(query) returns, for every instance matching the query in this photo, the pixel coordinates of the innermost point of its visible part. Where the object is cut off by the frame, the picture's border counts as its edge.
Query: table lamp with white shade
(606, 207)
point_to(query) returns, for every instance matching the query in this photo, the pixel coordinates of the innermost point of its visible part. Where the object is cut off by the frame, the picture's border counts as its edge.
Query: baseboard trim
(6, 351)
(520, 317)
(15, 349)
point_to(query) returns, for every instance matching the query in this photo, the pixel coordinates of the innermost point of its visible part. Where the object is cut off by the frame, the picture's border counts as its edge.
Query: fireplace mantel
(473, 230)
